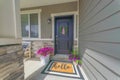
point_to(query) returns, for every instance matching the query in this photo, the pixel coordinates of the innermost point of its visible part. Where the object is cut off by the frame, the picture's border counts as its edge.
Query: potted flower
(75, 58)
(44, 54)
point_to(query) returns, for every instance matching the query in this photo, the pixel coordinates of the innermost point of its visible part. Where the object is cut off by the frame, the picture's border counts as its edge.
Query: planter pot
(44, 59)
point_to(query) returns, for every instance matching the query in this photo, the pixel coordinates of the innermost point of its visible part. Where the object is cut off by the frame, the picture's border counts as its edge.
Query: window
(24, 25)
(30, 25)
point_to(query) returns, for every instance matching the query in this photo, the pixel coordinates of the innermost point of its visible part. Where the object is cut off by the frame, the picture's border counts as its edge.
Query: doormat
(62, 68)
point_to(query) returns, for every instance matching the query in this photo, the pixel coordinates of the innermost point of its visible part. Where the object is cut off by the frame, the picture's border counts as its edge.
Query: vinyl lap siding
(99, 38)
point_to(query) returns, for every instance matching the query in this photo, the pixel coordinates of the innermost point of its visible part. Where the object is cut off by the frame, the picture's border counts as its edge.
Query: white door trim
(75, 13)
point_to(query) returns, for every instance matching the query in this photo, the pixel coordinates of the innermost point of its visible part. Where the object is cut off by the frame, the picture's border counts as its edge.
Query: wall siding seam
(91, 10)
(82, 8)
(104, 66)
(98, 12)
(87, 8)
(89, 70)
(96, 69)
(101, 20)
(100, 31)
(90, 4)
(100, 41)
(101, 58)
(103, 53)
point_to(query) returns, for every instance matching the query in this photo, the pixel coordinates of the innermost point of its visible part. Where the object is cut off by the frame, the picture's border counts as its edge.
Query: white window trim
(75, 13)
(36, 39)
(38, 11)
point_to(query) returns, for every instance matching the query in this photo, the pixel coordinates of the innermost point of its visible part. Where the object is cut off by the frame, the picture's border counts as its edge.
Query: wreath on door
(63, 30)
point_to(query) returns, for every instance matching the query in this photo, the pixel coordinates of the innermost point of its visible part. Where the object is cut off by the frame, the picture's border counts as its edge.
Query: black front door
(63, 34)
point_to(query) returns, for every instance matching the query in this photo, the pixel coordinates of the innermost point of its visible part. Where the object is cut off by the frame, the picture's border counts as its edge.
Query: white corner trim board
(83, 73)
(7, 41)
(15, 21)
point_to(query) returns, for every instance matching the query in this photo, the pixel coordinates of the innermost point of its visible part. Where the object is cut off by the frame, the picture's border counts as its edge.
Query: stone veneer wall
(35, 45)
(11, 62)
(39, 44)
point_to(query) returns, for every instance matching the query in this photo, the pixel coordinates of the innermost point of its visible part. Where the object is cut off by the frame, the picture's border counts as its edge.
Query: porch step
(62, 57)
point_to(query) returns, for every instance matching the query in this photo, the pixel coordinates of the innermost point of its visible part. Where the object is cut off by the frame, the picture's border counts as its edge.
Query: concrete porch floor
(33, 68)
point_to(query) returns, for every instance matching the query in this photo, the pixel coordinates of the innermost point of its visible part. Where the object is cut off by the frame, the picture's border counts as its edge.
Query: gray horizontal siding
(103, 69)
(99, 38)
(94, 70)
(89, 72)
(106, 61)
(104, 48)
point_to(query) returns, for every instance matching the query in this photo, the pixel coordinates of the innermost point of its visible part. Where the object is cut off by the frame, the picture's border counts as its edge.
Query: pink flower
(45, 51)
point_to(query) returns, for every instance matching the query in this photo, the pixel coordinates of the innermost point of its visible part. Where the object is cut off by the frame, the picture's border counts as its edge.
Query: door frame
(71, 32)
(74, 13)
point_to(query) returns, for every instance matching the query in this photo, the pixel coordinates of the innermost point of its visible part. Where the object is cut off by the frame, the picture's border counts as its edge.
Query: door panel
(63, 34)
